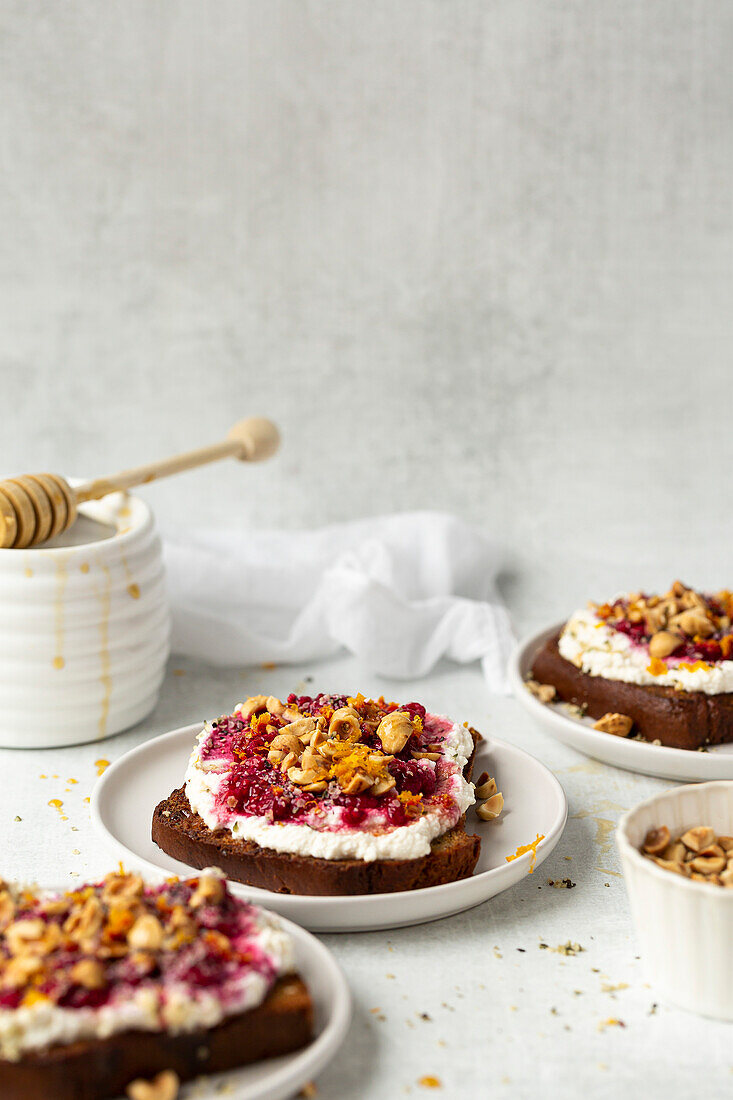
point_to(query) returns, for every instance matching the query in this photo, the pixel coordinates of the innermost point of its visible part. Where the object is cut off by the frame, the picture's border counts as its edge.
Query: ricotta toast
(326, 795)
(660, 667)
(117, 981)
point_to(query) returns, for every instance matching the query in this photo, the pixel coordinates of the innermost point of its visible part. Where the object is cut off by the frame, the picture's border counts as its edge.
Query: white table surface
(473, 1000)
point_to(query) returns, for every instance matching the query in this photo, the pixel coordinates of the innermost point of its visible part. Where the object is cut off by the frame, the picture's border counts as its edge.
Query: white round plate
(278, 1078)
(534, 802)
(634, 756)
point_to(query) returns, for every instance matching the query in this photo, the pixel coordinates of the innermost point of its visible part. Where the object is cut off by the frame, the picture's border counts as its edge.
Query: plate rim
(629, 749)
(312, 902)
(312, 1059)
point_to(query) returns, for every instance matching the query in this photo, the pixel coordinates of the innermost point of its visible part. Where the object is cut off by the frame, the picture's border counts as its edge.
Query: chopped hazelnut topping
(210, 891)
(295, 731)
(146, 933)
(19, 970)
(317, 757)
(382, 786)
(89, 973)
(358, 782)
(395, 730)
(160, 937)
(32, 937)
(663, 643)
(288, 740)
(682, 624)
(256, 704)
(345, 724)
(7, 908)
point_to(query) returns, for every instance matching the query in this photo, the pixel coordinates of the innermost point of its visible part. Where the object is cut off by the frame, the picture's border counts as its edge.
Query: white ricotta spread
(596, 648)
(334, 840)
(153, 1007)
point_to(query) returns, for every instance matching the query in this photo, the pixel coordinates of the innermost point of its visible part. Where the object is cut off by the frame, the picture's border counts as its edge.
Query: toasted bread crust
(183, 835)
(679, 719)
(101, 1068)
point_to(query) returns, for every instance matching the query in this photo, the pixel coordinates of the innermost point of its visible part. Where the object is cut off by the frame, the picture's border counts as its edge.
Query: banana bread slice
(184, 836)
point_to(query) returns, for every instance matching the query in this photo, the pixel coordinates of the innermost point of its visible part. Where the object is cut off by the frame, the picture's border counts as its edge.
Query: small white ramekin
(84, 630)
(684, 929)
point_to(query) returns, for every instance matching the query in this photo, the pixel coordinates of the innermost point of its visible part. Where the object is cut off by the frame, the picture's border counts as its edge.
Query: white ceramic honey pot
(84, 628)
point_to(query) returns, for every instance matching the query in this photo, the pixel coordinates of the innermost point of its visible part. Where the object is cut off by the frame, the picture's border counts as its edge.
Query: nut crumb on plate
(544, 692)
(164, 1086)
(620, 725)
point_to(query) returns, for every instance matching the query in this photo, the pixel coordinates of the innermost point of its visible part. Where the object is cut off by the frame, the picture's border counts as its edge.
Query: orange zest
(524, 848)
(259, 720)
(33, 996)
(352, 757)
(412, 803)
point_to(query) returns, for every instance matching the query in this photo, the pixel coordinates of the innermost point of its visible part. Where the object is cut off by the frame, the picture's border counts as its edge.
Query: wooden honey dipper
(35, 507)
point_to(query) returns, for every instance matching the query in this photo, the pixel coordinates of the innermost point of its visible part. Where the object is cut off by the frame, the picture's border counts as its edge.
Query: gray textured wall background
(471, 255)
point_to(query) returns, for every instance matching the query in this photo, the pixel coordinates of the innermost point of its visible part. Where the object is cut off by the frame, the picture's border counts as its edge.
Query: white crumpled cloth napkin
(399, 592)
